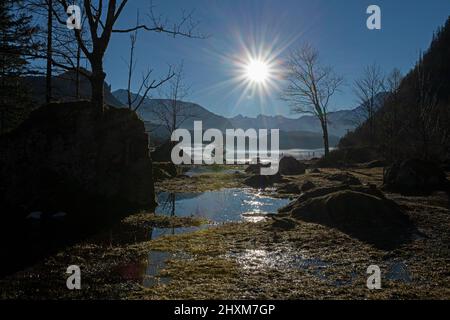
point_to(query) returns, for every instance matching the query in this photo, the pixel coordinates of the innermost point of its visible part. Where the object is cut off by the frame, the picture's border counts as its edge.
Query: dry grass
(248, 261)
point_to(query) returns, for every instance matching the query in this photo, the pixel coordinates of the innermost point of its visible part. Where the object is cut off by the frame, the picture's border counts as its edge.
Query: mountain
(303, 129)
(192, 111)
(292, 135)
(339, 122)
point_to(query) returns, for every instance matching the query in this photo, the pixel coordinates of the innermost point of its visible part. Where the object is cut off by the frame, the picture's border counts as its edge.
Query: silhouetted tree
(135, 100)
(311, 85)
(172, 111)
(60, 51)
(101, 21)
(16, 46)
(367, 90)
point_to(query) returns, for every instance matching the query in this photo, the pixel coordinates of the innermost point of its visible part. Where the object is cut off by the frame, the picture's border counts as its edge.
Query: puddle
(226, 205)
(398, 271)
(279, 259)
(156, 262)
(283, 260)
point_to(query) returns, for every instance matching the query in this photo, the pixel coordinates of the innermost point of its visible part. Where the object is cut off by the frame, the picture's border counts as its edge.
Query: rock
(291, 166)
(345, 178)
(319, 192)
(307, 185)
(374, 220)
(66, 157)
(262, 181)
(289, 188)
(414, 176)
(255, 168)
(283, 223)
(315, 170)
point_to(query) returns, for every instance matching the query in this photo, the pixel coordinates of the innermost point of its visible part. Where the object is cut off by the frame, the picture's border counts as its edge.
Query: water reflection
(224, 205)
(156, 262)
(220, 206)
(398, 271)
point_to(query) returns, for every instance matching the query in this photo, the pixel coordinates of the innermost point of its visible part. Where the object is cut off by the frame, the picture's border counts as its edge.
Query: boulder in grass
(319, 192)
(262, 181)
(291, 166)
(307, 185)
(345, 178)
(414, 176)
(255, 168)
(374, 220)
(65, 157)
(289, 188)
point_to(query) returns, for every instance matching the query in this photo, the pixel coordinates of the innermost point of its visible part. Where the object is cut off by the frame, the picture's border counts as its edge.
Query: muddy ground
(249, 260)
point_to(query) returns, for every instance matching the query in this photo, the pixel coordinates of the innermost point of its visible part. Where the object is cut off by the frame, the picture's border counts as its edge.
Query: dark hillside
(414, 121)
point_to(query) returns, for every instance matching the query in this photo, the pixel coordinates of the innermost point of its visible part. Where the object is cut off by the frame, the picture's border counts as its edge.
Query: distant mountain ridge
(340, 122)
(301, 132)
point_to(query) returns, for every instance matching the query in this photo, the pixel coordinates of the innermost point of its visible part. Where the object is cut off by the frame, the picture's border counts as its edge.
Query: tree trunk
(97, 86)
(326, 146)
(48, 92)
(77, 76)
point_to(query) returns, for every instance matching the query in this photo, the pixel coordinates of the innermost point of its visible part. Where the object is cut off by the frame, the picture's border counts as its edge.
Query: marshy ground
(246, 260)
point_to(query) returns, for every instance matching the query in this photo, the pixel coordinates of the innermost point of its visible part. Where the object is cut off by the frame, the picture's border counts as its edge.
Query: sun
(257, 71)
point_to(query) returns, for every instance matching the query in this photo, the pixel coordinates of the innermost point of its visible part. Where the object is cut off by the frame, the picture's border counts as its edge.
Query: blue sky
(336, 28)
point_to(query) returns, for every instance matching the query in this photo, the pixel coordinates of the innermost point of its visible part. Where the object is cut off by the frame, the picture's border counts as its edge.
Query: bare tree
(367, 89)
(61, 51)
(392, 81)
(134, 101)
(172, 112)
(102, 20)
(311, 85)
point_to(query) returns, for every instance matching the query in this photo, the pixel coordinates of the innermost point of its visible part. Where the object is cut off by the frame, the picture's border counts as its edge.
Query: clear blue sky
(336, 28)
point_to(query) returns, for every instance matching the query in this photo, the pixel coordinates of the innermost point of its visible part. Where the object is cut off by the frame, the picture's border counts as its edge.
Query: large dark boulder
(414, 176)
(371, 219)
(262, 181)
(307, 185)
(255, 168)
(291, 166)
(320, 192)
(67, 157)
(289, 188)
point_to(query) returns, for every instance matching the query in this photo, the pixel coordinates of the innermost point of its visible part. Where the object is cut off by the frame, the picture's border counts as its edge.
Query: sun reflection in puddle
(226, 205)
(278, 259)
